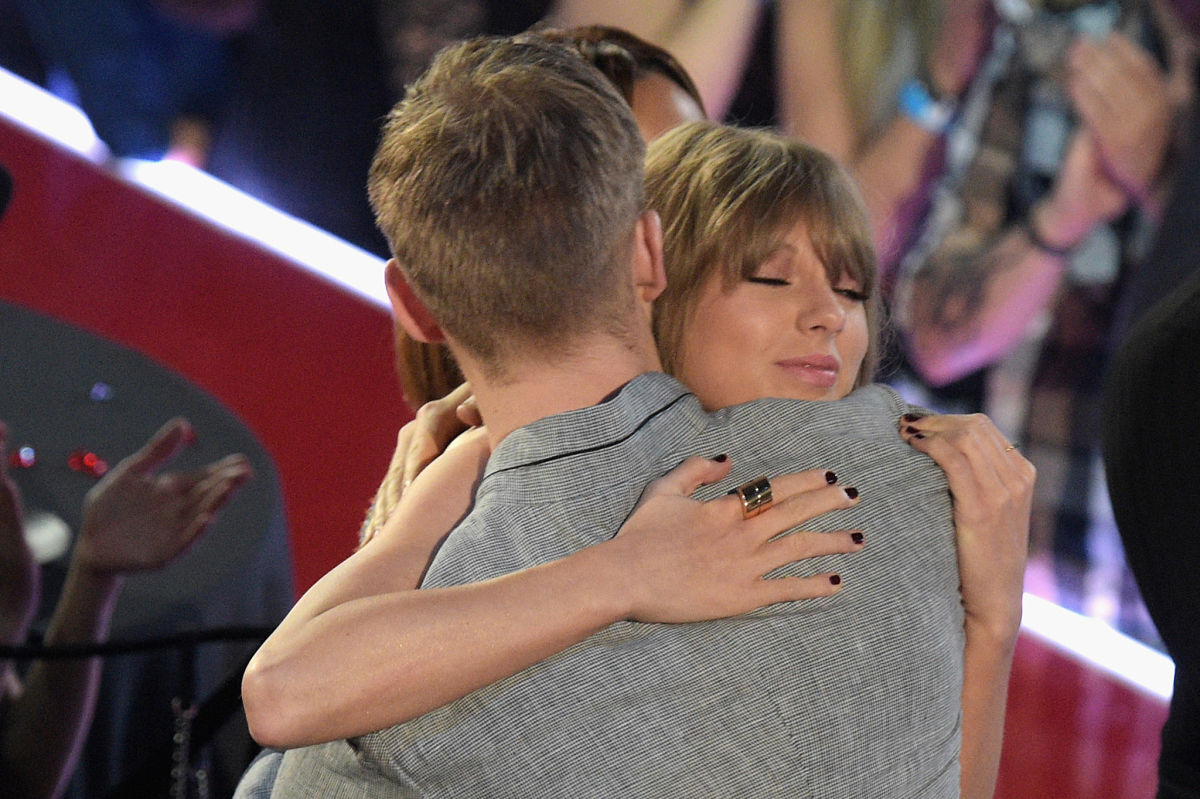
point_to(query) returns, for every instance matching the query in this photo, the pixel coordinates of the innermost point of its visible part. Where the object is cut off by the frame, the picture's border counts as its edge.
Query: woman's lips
(816, 370)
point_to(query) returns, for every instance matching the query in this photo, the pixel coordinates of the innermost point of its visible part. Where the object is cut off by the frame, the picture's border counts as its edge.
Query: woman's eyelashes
(767, 281)
(849, 292)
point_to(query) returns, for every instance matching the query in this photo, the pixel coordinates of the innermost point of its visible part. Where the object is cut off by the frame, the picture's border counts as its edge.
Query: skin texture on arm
(814, 101)
(992, 487)
(711, 38)
(133, 519)
(410, 651)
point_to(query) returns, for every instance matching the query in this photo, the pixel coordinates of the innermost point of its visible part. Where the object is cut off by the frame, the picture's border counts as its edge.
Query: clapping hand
(138, 517)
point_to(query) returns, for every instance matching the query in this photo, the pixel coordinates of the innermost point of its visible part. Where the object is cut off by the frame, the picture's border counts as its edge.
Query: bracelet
(1039, 243)
(918, 105)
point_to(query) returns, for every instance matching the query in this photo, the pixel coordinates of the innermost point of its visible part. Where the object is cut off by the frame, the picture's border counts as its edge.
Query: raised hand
(1085, 194)
(138, 518)
(1123, 99)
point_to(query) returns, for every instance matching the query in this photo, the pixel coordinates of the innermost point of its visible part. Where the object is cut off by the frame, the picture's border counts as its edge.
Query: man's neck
(534, 389)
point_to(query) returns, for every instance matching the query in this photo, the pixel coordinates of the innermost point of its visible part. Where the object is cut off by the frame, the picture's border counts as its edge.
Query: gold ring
(755, 496)
(1010, 448)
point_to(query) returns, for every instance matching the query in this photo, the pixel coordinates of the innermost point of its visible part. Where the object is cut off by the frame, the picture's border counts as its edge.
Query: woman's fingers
(166, 442)
(435, 425)
(992, 486)
(689, 475)
(468, 411)
(792, 589)
(691, 560)
(798, 498)
(980, 463)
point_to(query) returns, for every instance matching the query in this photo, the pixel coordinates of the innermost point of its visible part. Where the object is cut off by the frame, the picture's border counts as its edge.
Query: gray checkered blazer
(855, 695)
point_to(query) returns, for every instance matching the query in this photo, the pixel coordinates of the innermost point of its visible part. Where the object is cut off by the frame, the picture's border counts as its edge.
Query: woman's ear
(649, 272)
(410, 313)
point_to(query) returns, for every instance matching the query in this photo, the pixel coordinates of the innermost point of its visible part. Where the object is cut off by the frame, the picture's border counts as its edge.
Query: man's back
(857, 694)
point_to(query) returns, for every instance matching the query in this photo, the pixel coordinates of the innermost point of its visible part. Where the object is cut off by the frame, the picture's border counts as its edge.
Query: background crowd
(1022, 163)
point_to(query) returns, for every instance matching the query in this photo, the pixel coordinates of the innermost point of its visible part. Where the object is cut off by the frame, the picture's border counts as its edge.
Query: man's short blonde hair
(508, 183)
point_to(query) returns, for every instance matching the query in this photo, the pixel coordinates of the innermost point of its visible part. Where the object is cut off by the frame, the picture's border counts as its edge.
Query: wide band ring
(755, 496)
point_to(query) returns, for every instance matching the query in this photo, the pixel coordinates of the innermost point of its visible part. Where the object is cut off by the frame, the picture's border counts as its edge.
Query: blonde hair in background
(507, 183)
(869, 32)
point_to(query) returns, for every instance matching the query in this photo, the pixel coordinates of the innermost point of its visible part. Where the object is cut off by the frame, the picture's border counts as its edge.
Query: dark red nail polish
(911, 429)
(830, 478)
(851, 492)
(835, 579)
(911, 417)
(721, 458)
(918, 435)
(857, 538)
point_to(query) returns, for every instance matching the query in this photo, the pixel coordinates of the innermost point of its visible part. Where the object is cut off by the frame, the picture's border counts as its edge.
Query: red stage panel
(1073, 732)
(306, 364)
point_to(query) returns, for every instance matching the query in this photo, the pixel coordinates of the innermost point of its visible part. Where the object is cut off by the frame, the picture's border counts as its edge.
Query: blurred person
(362, 596)
(712, 39)
(152, 76)
(135, 518)
(1006, 300)
(299, 126)
(876, 85)
(413, 31)
(1152, 426)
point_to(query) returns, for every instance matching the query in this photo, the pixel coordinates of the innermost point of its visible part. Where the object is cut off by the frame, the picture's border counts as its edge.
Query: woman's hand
(1123, 99)
(138, 518)
(435, 425)
(690, 560)
(992, 486)
(435, 502)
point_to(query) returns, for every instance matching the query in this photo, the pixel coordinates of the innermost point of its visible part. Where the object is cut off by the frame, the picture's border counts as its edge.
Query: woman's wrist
(85, 605)
(919, 106)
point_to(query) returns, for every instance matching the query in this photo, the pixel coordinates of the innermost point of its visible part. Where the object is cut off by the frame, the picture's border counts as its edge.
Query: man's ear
(649, 272)
(407, 308)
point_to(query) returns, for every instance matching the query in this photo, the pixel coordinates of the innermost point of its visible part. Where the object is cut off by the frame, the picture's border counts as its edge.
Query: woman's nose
(821, 310)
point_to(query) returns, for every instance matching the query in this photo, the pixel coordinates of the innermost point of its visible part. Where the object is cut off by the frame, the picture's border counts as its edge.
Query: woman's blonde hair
(727, 197)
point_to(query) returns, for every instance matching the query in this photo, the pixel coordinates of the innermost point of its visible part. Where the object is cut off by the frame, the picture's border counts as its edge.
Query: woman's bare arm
(363, 650)
(711, 38)
(992, 486)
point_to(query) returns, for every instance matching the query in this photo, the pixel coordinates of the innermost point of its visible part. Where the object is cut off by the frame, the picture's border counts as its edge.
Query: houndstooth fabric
(855, 695)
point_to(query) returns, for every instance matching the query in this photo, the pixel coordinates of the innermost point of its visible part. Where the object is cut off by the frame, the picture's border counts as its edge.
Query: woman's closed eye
(767, 281)
(849, 292)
